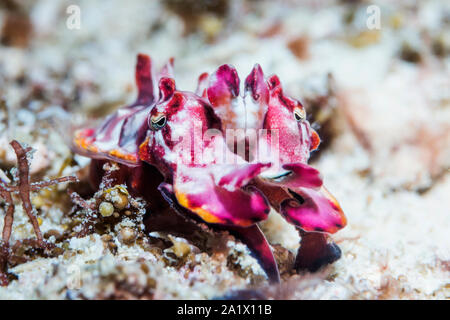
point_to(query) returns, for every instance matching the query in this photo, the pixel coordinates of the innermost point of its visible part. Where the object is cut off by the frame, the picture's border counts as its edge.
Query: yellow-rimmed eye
(299, 114)
(158, 122)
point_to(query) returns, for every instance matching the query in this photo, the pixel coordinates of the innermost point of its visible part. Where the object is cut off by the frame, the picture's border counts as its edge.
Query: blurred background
(373, 75)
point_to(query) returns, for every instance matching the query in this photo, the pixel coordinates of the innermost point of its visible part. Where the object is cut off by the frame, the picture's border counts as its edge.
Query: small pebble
(120, 201)
(106, 237)
(127, 235)
(106, 209)
(52, 233)
(410, 53)
(179, 248)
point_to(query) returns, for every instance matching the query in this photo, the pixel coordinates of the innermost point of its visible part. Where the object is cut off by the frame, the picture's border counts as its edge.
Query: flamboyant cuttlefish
(221, 158)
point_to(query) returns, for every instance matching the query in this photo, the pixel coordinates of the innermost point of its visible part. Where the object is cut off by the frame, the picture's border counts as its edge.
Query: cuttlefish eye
(299, 114)
(158, 121)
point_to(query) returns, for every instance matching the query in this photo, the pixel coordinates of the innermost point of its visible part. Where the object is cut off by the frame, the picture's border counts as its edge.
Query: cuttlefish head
(275, 125)
(185, 142)
(309, 206)
(177, 123)
(118, 137)
(287, 133)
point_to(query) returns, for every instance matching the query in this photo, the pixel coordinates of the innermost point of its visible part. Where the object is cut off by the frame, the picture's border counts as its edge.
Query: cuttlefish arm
(310, 206)
(217, 194)
(257, 243)
(222, 93)
(316, 248)
(313, 210)
(298, 175)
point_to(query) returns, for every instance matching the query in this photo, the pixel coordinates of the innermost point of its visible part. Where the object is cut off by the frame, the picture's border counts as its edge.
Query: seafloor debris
(17, 26)
(410, 53)
(299, 46)
(111, 206)
(441, 44)
(206, 16)
(22, 187)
